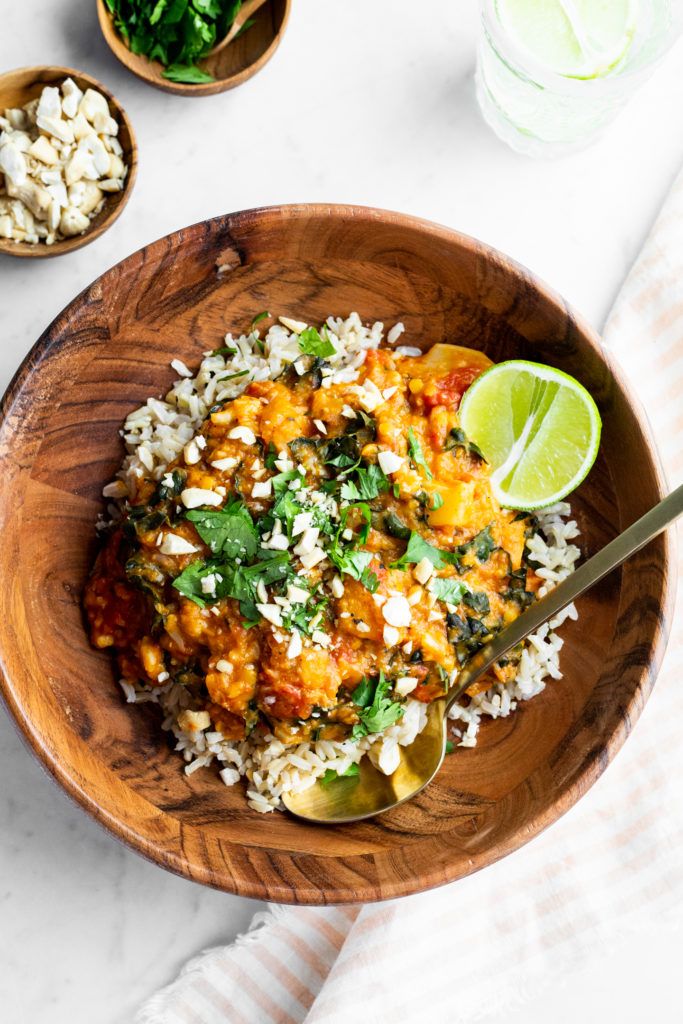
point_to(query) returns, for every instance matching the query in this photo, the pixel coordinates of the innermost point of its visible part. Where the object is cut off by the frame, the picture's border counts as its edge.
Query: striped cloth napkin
(613, 863)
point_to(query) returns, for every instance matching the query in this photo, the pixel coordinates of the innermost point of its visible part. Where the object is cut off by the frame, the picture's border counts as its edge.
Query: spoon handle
(590, 572)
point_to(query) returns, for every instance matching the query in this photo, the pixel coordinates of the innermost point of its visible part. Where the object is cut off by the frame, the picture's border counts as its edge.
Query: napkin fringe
(155, 1010)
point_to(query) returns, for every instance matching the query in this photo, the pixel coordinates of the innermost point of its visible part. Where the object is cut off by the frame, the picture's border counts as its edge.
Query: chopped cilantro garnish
(449, 591)
(437, 501)
(282, 481)
(332, 776)
(450, 746)
(364, 692)
(371, 482)
(313, 343)
(259, 317)
(272, 566)
(416, 453)
(300, 616)
(418, 548)
(270, 457)
(232, 376)
(229, 531)
(355, 564)
(378, 711)
(349, 491)
(189, 582)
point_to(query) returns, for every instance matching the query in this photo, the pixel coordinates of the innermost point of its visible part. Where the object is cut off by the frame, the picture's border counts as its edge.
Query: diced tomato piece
(449, 390)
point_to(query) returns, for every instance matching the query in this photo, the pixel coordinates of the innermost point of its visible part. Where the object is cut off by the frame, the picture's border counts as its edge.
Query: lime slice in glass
(538, 429)
(574, 38)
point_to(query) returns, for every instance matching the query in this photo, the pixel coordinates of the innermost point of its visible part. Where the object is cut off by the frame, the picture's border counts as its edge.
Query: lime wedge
(538, 429)
(574, 38)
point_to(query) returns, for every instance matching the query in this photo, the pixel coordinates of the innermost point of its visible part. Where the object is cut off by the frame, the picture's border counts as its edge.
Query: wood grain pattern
(25, 84)
(230, 67)
(59, 444)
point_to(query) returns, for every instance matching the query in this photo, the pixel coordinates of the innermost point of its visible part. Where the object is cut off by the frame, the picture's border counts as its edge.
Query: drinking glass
(541, 112)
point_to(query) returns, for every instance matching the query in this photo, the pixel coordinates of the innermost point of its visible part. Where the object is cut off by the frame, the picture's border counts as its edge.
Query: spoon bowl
(372, 792)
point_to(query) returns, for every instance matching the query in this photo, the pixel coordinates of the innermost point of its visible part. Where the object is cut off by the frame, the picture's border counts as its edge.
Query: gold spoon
(371, 792)
(245, 12)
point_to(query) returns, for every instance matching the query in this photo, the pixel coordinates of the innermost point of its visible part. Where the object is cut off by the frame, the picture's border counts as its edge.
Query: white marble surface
(359, 105)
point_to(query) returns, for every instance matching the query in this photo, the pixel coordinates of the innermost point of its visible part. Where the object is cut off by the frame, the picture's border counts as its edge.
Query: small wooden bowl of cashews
(68, 160)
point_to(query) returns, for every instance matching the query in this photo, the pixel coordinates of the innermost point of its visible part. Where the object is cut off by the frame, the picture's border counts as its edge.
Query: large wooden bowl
(59, 444)
(235, 64)
(22, 85)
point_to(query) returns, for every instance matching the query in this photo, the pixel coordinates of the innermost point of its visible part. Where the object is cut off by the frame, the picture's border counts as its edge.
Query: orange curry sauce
(240, 664)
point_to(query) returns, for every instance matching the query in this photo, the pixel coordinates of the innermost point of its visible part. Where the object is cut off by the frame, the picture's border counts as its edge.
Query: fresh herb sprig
(377, 710)
(417, 455)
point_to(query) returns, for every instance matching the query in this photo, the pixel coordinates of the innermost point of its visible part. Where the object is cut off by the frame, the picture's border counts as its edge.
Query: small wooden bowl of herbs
(167, 43)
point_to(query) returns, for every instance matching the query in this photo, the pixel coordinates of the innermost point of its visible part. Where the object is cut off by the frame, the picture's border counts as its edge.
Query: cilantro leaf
(364, 692)
(418, 548)
(229, 531)
(312, 343)
(282, 481)
(437, 501)
(187, 73)
(357, 565)
(349, 491)
(416, 453)
(378, 710)
(272, 567)
(371, 481)
(449, 591)
(331, 775)
(189, 582)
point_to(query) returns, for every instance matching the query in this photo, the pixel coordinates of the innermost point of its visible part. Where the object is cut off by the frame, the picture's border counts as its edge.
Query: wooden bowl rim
(596, 760)
(32, 250)
(119, 49)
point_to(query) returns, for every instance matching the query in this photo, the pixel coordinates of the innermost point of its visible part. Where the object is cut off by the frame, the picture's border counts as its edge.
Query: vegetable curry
(312, 539)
